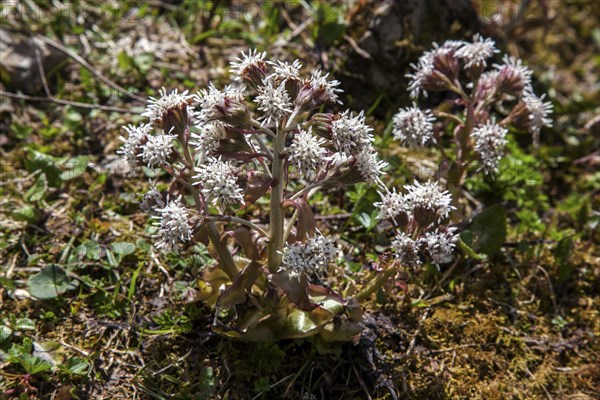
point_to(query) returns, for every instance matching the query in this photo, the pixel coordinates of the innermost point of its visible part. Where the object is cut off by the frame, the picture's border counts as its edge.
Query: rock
(19, 64)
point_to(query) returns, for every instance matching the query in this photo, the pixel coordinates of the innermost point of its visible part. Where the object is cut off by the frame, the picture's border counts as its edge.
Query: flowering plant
(261, 138)
(485, 105)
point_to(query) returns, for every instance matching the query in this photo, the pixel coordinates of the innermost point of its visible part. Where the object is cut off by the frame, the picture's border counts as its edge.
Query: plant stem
(375, 284)
(276, 215)
(241, 221)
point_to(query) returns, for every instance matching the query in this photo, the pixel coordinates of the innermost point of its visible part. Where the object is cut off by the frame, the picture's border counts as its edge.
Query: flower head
(225, 105)
(219, 182)
(158, 107)
(440, 244)
(475, 54)
(133, 144)
(369, 165)
(157, 149)
(152, 201)
(413, 126)
(394, 207)
(317, 90)
(407, 250)
(173, 225)
(350, 134)
(251, 67)
(283, 71)
(490, 140)
(539, 111)
(310, 257)
(513, 76)
(306, 152)
(273, 102)
(208, 139)
(428, 202)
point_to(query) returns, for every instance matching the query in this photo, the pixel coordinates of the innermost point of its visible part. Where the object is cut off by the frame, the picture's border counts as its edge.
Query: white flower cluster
(219, 182)
(312, 256)
(173, 225)
(414, 127)
(539, 110)
(157, 150)
(274, 102)
(476, 53)
(208, 139)
(490, 140)
(159, 106)
(307, 152)
(417, 216)
(134, 142)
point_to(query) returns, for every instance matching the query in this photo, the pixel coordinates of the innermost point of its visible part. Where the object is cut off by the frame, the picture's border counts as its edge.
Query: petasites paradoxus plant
(485, 104)
(260, 140)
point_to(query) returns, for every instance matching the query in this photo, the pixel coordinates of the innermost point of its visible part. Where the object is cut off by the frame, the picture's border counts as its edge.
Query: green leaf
(123, 248)
(466, 236)
(50, 283)
(77, 366)
(24, 324)
(5, 333)
(562, 254)
(37, 191)
(34, 365)
(489, 230)
(75, 168)
(27, 213)
(90, 250)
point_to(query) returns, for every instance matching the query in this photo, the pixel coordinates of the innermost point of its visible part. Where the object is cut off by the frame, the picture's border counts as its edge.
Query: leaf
(75, 168)
(466, 236)
(38, 190)
(235, 293)
(27, 213)
(123, 248)
(305, 225)
(562, 255)
(295, 287)
(50, 283)
(24, 324)
(489, 230)
(5, 333)
(34, 365)
(77, 366)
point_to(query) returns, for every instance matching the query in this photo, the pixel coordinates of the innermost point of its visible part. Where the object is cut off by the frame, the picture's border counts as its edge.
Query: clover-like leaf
(50, 283)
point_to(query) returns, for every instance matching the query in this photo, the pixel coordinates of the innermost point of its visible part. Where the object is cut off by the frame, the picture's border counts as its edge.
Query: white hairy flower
(428, 199)
(475, 54)
(283, 71)
(441, 244)
(207, 140)
(273, 102)
(490, 140)
(369, 165)
(413, 126)
(219, 182)
(215, 103)
(306, 152)
(247, 63)
(157, 107)
(158, 148)
(407, 250)
(350, 135)
(312, 256)
(152, 201)
(391, 205)
(513, 74)
(132, 145)
(173, 225)
(319, 83)
(538, 112)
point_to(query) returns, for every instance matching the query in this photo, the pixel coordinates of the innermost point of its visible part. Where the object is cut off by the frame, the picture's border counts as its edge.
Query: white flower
(273, 102)
(538, 112)
(490, 140)
(157, 107)
(173, 225)
(513, 73)
(413, 126)
(157, 150)
(350, 134)
(152, 201)
(475, 54)
(132, 145)
(283, 71)
(219, 182)
(312, 256)
(215, 103)
(306, 152)
(429, 198)
(247, 62)
(440, 245)
(319, 83)
(369, 165)
(406, 250)
(391, 205)
(207, 141)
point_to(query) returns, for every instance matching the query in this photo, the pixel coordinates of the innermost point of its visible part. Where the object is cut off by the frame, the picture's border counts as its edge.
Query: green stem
(375, 284)
(276, 232)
